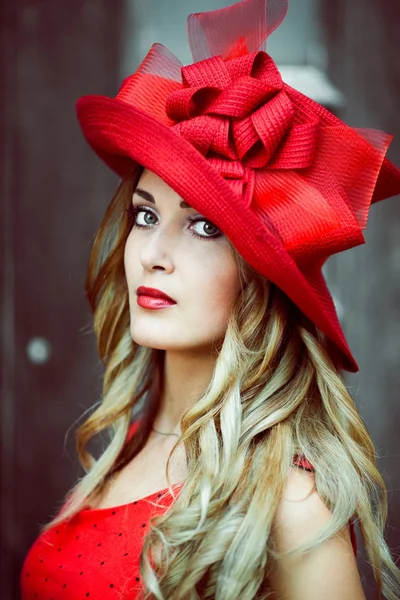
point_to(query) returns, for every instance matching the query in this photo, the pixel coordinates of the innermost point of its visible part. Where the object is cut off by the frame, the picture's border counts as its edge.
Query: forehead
(150, 187)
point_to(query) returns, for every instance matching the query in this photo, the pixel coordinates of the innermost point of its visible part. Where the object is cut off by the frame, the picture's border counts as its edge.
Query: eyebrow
(147, 196)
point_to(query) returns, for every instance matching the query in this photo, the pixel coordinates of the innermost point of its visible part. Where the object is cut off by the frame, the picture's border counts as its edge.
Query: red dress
(96, 554)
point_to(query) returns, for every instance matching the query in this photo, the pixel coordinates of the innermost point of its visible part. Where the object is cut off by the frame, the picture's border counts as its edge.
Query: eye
(215, 232)
(135, 210)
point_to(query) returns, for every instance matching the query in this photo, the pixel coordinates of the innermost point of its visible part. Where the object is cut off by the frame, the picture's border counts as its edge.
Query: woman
(238, 462)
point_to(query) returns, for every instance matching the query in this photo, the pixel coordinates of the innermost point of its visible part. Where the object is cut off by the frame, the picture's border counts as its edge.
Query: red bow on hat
(287, 181)
(248, 113)
(240, 110)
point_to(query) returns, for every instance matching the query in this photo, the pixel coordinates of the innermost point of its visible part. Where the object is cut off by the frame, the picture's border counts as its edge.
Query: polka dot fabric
(96, 554)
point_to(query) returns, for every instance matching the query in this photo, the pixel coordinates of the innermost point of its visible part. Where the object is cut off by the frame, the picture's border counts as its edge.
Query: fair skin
(200, 274)
(202, 277)
(330, 571)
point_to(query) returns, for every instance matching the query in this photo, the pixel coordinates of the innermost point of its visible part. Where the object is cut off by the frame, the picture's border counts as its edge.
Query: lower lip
(153, 303)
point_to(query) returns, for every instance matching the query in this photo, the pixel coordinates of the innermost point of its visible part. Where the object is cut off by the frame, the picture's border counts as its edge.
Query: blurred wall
(54, 193)
(363, 46)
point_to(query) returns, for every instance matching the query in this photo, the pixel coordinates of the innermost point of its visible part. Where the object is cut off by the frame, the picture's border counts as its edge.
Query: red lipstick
(147, 291)
(153, 298)
(153, 303)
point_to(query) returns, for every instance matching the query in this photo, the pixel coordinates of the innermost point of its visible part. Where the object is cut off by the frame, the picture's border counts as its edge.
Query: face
(174, 249)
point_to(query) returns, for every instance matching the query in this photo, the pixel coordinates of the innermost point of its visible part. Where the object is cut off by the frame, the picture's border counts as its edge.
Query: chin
(146, 339)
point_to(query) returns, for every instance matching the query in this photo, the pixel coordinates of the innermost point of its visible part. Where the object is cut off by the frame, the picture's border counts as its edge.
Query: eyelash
(135, 209)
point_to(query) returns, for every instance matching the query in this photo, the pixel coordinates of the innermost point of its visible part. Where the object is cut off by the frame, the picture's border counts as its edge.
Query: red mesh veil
(245, 28)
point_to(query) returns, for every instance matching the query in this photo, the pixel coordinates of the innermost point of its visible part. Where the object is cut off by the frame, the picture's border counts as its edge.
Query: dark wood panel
(55, 191)
(363, 49)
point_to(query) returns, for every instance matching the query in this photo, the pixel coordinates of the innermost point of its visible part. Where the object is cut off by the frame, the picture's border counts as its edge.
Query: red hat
(284, 179)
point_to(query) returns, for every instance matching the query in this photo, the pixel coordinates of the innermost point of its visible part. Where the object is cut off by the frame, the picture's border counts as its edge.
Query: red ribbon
(240, 109)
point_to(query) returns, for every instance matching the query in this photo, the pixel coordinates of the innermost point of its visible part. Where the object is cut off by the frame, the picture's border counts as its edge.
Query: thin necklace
(161, 433)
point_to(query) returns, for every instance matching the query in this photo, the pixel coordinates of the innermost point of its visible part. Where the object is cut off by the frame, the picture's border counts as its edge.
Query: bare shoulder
(301, 511)
(329, 571)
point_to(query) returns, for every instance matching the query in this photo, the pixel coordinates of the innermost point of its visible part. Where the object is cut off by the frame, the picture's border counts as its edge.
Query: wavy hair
(276, 391)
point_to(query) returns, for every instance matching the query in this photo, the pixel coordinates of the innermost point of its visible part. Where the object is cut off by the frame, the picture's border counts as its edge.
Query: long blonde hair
(276, 391)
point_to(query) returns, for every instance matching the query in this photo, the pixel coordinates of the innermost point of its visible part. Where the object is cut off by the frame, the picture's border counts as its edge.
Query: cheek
(212, 280)
(220, 284)
(129, 258)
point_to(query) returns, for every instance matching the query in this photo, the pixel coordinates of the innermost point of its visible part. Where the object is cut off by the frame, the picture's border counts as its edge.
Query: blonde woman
(237, 462)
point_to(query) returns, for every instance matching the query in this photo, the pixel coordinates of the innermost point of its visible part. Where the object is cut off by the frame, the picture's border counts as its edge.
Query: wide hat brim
(122, 135)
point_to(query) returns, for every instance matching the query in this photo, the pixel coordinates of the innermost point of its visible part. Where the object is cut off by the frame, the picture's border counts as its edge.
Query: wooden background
(363, 47)
(54, 192)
